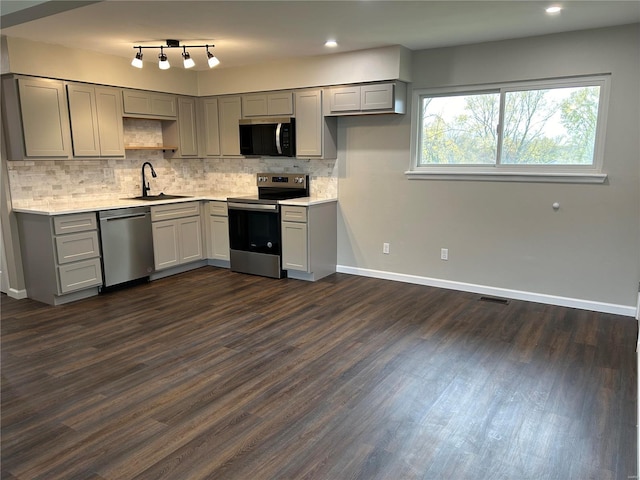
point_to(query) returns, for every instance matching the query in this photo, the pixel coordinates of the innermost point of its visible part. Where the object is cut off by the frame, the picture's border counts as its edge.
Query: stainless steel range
(255, 239)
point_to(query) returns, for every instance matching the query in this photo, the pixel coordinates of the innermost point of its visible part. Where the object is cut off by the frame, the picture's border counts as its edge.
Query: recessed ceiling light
(331, 43)
(554, 9)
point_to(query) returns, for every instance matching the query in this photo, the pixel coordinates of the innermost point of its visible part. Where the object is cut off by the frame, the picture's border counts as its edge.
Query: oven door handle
(252, 206)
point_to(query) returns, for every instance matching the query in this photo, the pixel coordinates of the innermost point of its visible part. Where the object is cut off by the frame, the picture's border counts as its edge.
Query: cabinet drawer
(174, 210)
(218, 208)
(77, 222)
(79, 275)
(294, 214)
(79, 246)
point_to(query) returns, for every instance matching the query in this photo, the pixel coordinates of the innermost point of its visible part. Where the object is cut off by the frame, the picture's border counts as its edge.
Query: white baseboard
(17, 294)
(626, 310)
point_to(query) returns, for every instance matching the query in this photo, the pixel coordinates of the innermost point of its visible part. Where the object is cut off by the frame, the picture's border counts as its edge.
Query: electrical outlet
(444, 254)
(385, 248)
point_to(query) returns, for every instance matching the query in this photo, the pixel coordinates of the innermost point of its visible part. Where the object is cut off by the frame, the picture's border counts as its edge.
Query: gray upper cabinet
(230, 112)
(144, 104)
(316, 135)
(96, 120)
(209, 131)
(110, 126)
(36, 118)
(184, 131)
(389, 97)
(187, 127)
(267, 104)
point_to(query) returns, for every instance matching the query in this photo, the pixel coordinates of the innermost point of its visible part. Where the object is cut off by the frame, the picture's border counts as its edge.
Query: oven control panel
(283, 180)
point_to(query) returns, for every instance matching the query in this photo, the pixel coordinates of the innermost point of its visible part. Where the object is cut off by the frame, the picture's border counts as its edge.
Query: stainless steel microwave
(274, 137)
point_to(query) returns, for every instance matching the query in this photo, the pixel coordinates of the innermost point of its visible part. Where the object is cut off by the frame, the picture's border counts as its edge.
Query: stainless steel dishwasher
(127, 244)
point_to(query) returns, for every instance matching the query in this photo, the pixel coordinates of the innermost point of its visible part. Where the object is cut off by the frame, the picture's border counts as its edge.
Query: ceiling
(249, 32)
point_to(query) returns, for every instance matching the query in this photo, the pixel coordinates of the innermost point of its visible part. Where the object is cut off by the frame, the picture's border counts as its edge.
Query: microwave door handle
(278, 146)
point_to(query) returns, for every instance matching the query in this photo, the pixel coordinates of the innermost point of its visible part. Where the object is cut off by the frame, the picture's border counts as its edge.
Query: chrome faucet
(145, 184)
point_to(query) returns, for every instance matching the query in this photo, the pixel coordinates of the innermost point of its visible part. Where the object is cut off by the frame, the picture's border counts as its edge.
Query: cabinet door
(309, 123)
(254, 105)
(230, 112)
(84, 120)
(163, 105)
(45, 118)
(280, 103)
(190, 239)
(219, 234)
(110, 125)
(187, 130)
(136, 101)
(210, 127)
(166, 251)
(344, 99)
(294, 246)
(376, 97)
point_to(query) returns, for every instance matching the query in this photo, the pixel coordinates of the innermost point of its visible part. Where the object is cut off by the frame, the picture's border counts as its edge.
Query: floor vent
(502, 301)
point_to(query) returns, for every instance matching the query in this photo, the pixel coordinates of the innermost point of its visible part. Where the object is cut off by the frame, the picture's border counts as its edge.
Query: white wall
(502, 235)
(387, 63)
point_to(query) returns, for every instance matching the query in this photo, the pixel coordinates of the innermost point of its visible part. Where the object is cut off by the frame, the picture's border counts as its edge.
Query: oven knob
(269, 244)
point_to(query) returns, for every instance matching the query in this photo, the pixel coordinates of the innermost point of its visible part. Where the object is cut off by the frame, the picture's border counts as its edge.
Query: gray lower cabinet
(61, 256)
(177, 234)
(309, 240)
(218, 234)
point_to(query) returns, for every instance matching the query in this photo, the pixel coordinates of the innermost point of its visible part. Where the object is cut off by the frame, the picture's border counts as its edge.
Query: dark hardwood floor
(219, 375)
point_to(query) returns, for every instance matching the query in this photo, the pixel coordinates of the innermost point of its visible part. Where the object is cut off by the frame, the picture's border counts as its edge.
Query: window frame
(513, 172)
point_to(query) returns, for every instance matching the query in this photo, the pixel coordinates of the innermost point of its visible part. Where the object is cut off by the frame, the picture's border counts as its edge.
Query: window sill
(558, 177)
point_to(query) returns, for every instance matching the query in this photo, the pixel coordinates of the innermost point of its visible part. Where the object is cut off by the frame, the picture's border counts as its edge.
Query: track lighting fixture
(163, 62)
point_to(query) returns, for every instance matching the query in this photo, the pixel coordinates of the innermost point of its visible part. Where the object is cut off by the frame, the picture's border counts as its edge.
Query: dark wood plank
(214, 374)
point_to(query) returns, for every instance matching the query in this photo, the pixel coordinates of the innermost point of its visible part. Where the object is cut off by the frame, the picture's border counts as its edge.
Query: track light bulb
(163, 64)
(137, 61)
(212, 61)
(188, 61)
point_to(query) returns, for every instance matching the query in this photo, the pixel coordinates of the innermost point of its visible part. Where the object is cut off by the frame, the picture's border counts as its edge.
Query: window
(547, 131)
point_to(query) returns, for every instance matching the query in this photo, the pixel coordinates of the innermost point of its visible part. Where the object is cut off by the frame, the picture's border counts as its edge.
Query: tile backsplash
(34, 182)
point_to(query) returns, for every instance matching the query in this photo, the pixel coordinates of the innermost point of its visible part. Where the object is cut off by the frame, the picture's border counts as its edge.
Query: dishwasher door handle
(123, 217)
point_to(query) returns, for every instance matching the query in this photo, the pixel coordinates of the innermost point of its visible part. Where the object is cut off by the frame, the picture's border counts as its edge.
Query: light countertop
(67, 206)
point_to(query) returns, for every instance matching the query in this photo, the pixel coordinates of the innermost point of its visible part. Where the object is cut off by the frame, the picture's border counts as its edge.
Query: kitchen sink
(160, 196)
